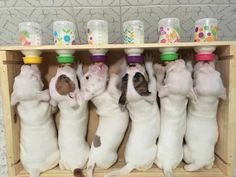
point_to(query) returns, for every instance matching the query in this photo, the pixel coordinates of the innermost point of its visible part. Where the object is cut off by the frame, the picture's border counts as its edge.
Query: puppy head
(207, 81)
(27, 83)
(139, 87)
(64, 85)
(178, 79)
(175, 66)
(204, 67)
(94, 81)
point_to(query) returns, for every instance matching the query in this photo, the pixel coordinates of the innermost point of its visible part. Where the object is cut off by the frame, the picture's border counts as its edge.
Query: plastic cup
(64, 33)
(30, 33)
(133, 32)
(169, 30)
(97, 32)
(206, 30)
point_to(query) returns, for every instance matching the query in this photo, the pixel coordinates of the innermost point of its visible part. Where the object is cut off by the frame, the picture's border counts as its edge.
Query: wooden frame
(10, 63)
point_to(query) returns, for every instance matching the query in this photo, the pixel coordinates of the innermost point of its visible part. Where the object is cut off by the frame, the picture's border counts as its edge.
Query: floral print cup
(97, 32)
(206, 30)
(64, 33)
(30, 33)
(133, 32)
(169, 30)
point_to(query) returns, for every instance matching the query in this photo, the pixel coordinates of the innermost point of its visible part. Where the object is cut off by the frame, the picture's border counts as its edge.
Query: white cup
(97, 32)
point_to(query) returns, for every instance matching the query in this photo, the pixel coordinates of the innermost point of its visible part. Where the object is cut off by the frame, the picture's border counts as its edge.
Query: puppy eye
(87, 77)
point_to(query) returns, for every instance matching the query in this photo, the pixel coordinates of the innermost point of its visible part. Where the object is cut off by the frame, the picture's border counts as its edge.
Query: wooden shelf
(153, 172)
(118, 46)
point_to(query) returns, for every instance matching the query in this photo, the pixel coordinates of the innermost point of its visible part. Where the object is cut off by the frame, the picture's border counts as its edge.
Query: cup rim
(30, 23)
(168, 19)
(206, 19)
(97, 21)
(133, 21)
(62, 21)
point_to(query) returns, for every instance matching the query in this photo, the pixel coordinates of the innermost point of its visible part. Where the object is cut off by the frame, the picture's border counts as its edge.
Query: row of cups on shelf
(30, 34)
(133, 32)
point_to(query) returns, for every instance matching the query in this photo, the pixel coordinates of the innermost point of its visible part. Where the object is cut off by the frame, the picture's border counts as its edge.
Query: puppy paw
(151, 99)
(192, 167)
(208, 167)
(44, 95)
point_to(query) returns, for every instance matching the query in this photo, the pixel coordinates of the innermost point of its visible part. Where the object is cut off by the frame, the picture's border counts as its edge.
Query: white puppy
(173, 97)
(112, 121)
(64, 91)
(141, 148)
(202, 129)
(38, 142)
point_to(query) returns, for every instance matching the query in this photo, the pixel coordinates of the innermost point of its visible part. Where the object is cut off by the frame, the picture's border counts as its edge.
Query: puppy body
(141, 148)
(202, 129)
(112, 121)
(173, 98)
(74, 150)
(37, 127)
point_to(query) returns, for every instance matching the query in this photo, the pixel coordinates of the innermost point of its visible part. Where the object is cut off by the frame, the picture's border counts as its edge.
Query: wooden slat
(153, 172)
(118, 46)
(225, 147)
(7, 113)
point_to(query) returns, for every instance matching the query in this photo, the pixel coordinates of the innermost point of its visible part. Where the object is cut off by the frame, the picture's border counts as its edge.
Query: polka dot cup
(206, 30)
(64, 33)
(169, 30)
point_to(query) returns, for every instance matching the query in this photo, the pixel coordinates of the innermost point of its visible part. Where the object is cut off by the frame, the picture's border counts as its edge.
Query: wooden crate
(11, 61)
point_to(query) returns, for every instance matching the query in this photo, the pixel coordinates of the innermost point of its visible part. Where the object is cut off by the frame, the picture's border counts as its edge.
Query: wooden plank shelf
(118, 46)
(153, 172)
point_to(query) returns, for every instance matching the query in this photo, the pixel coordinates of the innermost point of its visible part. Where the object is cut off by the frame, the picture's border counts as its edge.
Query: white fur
(173, 97)
(141, 146)
(38, 142)
(74, 150)
(202, 129)
(112, 121)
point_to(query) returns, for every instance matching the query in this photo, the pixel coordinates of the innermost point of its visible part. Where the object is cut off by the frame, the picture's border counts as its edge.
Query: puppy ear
(79, 71)
(212, 64)
(163, 91)
(14, 99)
(124, 85)
(44, 96)
(193, 95)
(223, 94)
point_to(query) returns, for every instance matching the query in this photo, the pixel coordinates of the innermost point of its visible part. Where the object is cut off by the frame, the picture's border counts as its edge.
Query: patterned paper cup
(30, 33)
(133, 32)
(206, 30)
(169, 30)
(64, 33)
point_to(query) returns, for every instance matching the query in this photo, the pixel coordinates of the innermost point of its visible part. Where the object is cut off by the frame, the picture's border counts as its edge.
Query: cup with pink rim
(206, 30)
